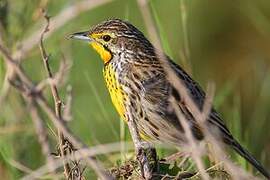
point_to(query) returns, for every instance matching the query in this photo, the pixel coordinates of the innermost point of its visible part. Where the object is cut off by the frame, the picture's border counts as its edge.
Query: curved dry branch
(57, 22)
(27, 88)
(55, 94)
(32, 41)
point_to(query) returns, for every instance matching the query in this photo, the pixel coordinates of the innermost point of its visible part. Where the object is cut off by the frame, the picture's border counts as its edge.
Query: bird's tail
(245, 154)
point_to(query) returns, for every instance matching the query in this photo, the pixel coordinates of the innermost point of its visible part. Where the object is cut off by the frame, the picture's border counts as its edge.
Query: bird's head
(111, 37)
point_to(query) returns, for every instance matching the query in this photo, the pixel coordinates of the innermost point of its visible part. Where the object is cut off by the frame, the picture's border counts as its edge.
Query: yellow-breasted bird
(136, 80)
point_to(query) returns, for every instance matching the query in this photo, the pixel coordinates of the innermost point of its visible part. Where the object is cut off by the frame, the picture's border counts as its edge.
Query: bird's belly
(117, 94)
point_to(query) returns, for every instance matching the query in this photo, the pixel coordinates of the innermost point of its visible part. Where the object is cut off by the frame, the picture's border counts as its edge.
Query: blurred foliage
(228, 41)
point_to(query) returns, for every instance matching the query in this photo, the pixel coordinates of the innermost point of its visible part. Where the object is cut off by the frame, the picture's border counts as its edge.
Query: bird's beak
(81, 36)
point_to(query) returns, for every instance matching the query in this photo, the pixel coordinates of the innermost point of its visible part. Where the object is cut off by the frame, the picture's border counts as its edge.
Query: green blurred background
(223, 41)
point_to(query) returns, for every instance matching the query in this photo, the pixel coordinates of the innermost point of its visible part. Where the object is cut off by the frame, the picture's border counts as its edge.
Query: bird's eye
(106, 38)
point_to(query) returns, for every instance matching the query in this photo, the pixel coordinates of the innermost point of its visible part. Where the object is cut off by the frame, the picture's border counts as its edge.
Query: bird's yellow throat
(104, 53)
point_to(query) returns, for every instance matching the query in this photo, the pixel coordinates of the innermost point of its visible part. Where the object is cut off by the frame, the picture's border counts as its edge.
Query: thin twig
(154, 36)
(42, 102)
(196, 150)
(30, 42)
(58, 21)
(55, 94)
(15, 66)
(20, 166)
(199, 116)
(186, 51)
(175, 156)
(80, 155)
(41, 132)
(67, 114)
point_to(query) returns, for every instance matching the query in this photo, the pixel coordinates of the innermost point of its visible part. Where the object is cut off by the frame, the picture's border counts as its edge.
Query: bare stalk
(154, 36)
(41, 132)
(55, 94)
(184, 22)
(80, 155)
(26, 45)
(27, 88)
(58, 21)
(196, 150)
(199, 116)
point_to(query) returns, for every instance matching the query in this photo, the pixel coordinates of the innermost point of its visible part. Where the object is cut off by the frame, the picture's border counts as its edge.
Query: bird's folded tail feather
(245, 154)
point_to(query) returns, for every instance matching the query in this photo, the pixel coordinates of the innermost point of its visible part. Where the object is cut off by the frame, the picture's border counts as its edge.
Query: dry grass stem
(27, 89)
(154, 36)
(185, 56)
(58, 21)
(32, 41)
(56, 97)
(200, 116)
(80, 155)
(67, 114)
(193, 147)
(41, 132)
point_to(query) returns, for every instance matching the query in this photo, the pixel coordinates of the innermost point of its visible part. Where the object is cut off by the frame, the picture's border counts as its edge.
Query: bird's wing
(198, 96)
(159, 89)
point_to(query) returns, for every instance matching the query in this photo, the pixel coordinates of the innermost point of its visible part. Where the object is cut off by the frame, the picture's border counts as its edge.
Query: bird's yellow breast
(115, 89)
(117, 94)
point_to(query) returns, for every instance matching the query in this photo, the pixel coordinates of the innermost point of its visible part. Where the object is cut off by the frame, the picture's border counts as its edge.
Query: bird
(137, 83)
